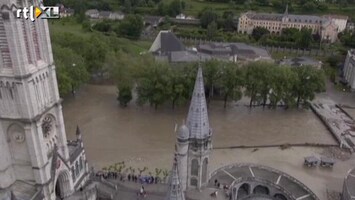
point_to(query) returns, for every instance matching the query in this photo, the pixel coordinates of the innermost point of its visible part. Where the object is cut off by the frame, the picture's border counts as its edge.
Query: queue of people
(130, 177)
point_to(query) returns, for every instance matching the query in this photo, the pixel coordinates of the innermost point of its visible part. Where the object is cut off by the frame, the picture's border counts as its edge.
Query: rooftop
(166, 42)
(292, 18)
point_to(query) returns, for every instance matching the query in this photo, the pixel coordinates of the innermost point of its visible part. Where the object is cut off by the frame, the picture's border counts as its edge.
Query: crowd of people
(130, 177)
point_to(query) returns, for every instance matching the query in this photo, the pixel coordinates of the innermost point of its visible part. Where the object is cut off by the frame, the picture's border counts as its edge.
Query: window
(4, 48)
(194, 167)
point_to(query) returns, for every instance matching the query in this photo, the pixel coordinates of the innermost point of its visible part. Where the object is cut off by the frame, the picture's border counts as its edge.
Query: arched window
(243, 191)
(193, 182)
(81, 163)
(25, 29)
(77, 168)
(261, 190)
(4, 47)
(35, 40)
(204, 170)
(194, 167)
(73, 173)
(280, 197)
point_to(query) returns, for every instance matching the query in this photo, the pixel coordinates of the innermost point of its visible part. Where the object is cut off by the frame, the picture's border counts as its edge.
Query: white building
(275, 23)
(338, 20)
(111, 15)
(180, 16)
(36, 160)
(349, 69)
(92, 13)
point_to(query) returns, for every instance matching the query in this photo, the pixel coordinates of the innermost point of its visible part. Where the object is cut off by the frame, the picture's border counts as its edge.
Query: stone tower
(175, 191)
(31, 121)
(182, 147)
(199, 142)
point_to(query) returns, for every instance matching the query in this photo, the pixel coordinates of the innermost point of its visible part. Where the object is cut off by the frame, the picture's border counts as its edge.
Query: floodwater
(142, 136)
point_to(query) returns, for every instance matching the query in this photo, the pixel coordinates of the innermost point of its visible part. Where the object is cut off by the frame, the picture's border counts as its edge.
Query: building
(111, 15)
(234, 52)
(350, 26)
(338, 20)
(301, 61)
(180, 16)
(65, 12)
(152, 20)
(36, 160)
(168, 47)
(275, 23)
(349, 69)
(92, 13)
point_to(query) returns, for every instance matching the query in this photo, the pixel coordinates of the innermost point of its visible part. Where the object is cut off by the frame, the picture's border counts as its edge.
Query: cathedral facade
(36, 160)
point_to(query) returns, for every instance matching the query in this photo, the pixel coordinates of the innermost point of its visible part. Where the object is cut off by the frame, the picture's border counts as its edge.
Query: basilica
(36, 160)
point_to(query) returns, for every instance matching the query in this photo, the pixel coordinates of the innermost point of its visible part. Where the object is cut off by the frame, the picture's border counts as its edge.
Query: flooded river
(143, 136)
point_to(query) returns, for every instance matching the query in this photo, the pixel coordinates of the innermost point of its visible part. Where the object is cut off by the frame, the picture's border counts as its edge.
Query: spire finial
(286, 10)
(78, 132)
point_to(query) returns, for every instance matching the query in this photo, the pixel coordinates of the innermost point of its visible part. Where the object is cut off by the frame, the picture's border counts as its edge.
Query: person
(215, 182)
(129, 177)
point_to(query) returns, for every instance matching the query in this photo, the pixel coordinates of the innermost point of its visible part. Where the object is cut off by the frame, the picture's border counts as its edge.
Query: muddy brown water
(142, 134)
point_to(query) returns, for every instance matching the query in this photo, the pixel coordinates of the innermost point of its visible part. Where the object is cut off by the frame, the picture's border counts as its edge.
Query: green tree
(64, 81)
(283, 80)
(231, 82)
(304, 38)
(153, 84)
(211, 73)
(131, 26)
(254, 81)
(309, 81)
(310, 6)
(95, 53)
(128, 6)
(71, 69)
(259, 32)
(207, 16)
(212, 30)
(124, 94)
(176, 7)
(179, 87)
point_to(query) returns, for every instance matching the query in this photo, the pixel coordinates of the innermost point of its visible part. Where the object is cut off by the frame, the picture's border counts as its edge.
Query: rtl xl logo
(34, 12)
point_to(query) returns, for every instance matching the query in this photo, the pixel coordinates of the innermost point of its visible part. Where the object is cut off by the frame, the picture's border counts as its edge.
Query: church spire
(197, 118)
(175, 190)
(286, 10)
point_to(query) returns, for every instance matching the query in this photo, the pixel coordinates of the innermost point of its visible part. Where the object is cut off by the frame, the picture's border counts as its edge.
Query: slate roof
(300, 61)
(197, 118)
(264, 16)
(166, 42)
(311, 19)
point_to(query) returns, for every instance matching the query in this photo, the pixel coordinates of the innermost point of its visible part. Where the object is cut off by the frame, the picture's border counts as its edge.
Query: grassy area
(71, 26)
